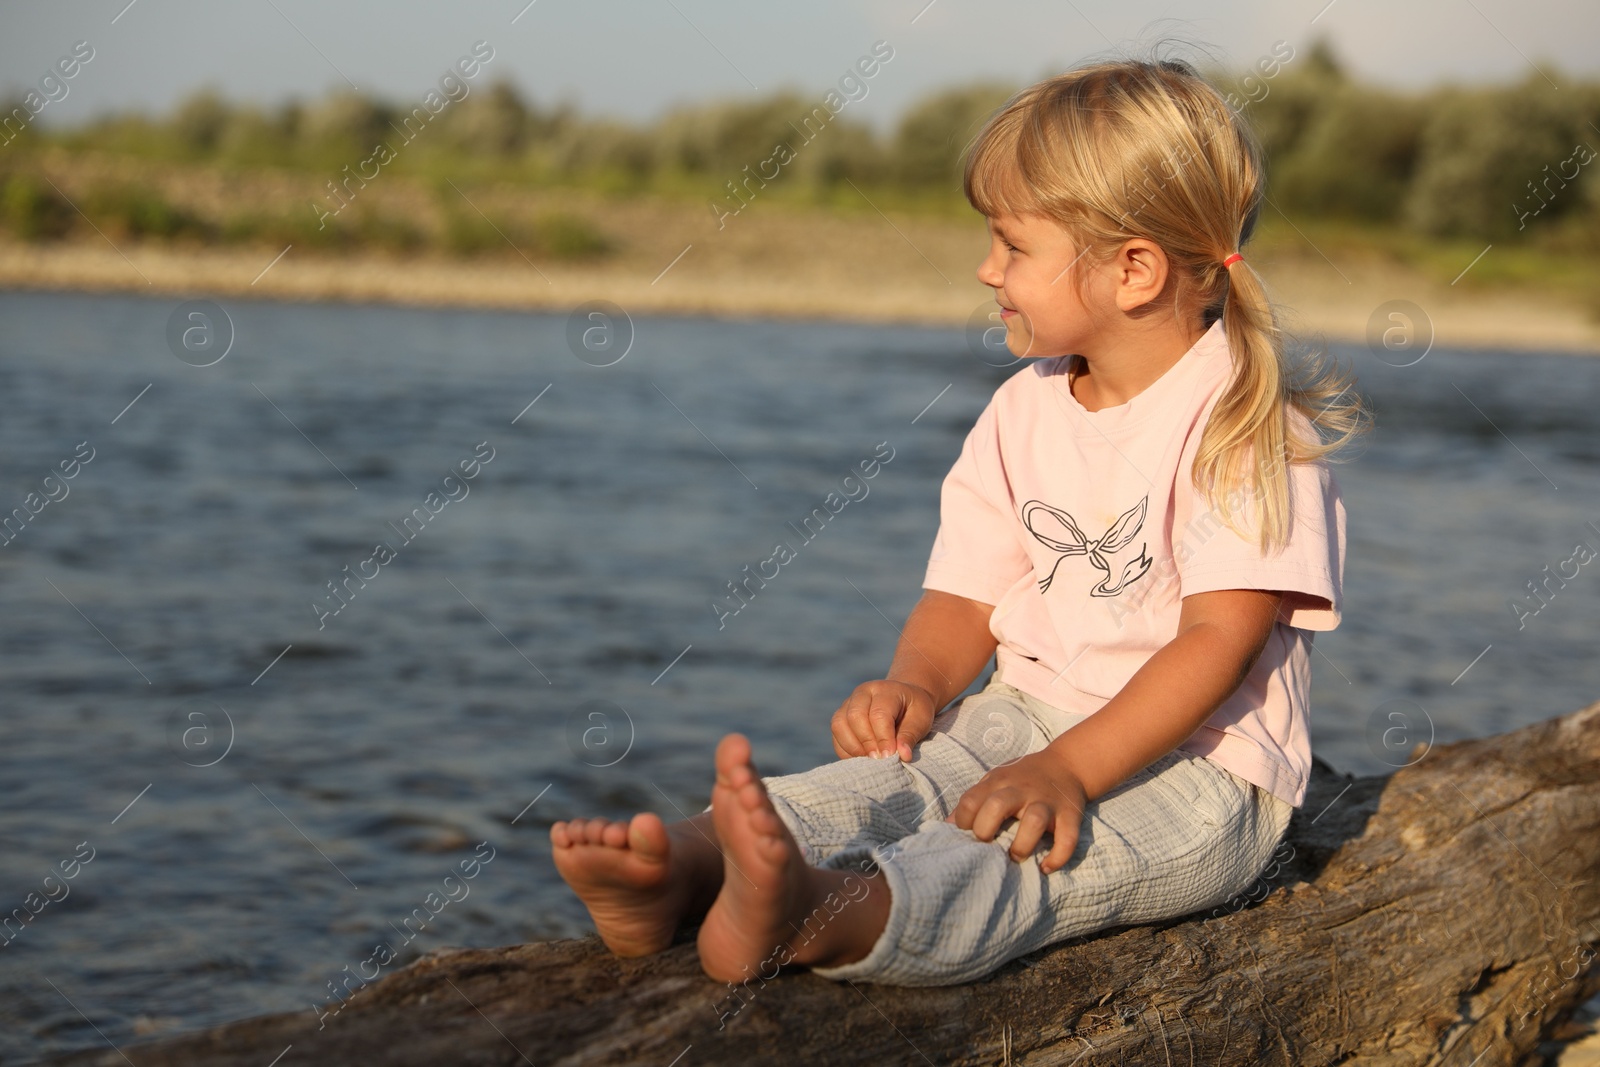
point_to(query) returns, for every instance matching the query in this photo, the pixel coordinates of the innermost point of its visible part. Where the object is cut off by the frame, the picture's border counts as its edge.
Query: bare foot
(623, 874)
(766, 884)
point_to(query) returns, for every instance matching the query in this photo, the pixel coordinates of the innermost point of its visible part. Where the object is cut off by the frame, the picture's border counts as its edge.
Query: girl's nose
(989, 272)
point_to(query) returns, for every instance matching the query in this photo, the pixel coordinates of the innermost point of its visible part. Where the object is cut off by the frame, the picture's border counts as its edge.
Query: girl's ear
(1141, 272)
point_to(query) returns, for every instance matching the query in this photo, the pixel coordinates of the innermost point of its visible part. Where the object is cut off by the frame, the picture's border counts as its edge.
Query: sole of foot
(622, 871)
(764, 884)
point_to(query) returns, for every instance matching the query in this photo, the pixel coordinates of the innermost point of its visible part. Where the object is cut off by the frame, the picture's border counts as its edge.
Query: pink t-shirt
(1085, 531)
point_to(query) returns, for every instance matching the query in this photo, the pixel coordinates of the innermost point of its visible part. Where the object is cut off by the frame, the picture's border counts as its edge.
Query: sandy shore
(784, 264)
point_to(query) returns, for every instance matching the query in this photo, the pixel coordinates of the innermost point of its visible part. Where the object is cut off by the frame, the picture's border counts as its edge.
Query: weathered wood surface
(1444, 915)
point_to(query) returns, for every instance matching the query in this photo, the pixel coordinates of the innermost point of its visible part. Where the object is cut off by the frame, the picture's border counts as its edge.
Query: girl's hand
(1042, 792)
(882, 718)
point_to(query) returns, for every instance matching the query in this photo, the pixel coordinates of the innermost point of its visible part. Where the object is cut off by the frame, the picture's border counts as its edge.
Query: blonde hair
(1131, 148)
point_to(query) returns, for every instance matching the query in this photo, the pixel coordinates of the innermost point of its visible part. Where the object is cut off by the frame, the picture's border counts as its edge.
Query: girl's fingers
(856, 713)
(1034, 820)
(993, 812)
(844, 738)
(1066, 841)
(914, 725)
(961, 815)
(884, 717)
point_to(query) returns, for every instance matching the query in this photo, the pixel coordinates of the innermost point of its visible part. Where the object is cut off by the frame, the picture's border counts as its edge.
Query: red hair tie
(1231, 260)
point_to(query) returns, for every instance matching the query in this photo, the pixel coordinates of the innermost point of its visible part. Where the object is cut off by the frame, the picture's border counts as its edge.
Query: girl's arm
(945, 643)
(1220, 636)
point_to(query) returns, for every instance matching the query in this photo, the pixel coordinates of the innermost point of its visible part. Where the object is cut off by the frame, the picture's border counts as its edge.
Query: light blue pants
(1180, 836)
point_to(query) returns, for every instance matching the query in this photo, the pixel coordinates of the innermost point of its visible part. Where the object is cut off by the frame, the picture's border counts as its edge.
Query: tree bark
(1446, 914)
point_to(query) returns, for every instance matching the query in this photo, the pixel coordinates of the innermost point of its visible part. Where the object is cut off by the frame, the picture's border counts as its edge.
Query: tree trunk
(1444, 915)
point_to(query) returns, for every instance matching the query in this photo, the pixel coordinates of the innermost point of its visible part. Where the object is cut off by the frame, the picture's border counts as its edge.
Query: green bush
(346, 125)
(33, 211)
(490, 122)
(930, 139)
(467, 233)
(277, 229)
(200, 121)
(554, 235)
(1293, 102)
(16, 124)
(127, 134)
(719, 140)
(381, 229)
(1355, 159)
(354, 228)
(259, 139)
(784, 138)
(604, 148)
(844, 151)
(1480, 149)
(562, 235)
(138, 211)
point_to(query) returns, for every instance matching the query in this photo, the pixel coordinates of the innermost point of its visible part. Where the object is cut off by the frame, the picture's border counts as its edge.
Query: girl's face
(1033, 268)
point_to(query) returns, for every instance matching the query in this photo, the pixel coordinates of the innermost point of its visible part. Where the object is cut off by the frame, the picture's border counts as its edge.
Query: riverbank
(782, 260)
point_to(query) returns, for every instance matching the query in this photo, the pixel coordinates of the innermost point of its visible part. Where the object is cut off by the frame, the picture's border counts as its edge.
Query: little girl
(1142, 528)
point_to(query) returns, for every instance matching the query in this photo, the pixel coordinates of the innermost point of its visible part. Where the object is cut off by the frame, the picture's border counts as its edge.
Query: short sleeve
(1309, 569)
(976, 553)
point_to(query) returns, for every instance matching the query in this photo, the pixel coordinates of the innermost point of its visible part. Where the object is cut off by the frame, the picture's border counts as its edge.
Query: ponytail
(1251, 436)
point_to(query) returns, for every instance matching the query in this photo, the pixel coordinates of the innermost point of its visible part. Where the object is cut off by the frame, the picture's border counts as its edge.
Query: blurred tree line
(1492, 163)
(1487, 162)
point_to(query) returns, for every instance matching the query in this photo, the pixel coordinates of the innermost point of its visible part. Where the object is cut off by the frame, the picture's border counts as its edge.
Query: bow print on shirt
(1061, 532)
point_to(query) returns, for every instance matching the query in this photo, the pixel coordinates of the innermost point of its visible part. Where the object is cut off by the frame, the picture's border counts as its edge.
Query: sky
(633, 59)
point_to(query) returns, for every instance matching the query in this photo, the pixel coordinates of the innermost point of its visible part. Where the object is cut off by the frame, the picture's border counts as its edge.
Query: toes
(759, 812)
(647, 835)
(752, 796)
(739, 774)
(774, 849)
(733, 752)
(766, 822)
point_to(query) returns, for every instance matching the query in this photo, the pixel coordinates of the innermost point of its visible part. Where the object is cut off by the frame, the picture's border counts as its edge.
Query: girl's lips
(1006, 313)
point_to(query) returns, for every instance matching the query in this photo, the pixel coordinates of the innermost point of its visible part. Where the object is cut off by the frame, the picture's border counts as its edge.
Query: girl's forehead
(1009, 225)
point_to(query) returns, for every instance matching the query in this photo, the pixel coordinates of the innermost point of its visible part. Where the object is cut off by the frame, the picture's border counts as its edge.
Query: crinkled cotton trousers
(1182, 835)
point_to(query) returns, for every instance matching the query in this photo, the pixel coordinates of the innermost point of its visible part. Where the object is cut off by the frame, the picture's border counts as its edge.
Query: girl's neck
(1129, 363)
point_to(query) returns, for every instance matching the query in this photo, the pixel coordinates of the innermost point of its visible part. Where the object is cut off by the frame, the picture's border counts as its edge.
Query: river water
(250, 790)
